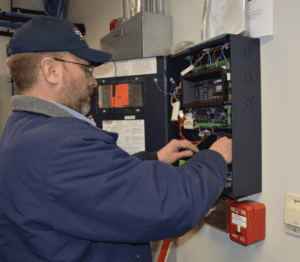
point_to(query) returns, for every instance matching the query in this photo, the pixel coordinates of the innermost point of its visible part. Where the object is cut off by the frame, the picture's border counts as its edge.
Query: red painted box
(247, 222)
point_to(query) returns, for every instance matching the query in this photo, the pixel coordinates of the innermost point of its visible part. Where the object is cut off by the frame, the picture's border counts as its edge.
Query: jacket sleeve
(96, 191)
(146, 155)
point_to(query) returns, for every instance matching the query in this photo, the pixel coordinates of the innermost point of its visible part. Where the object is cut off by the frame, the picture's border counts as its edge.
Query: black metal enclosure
(244, 55)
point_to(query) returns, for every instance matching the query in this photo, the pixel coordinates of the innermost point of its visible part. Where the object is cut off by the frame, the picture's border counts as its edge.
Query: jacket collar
(49, 108)
(37, 105)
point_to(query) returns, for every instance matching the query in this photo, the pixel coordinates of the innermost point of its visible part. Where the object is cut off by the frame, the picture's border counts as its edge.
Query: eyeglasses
(90, 67)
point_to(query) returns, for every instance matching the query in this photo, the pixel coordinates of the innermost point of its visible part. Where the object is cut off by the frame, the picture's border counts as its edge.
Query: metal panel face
(153, 108)
(246, 104)
(157, 34)
(144, 35)
(125, 41)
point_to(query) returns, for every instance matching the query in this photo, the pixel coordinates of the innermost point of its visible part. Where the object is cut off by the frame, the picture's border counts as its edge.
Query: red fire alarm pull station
(248, 222)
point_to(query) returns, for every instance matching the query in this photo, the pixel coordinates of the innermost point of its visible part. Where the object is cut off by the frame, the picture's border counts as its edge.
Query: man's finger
(188, 145)
(184, 154)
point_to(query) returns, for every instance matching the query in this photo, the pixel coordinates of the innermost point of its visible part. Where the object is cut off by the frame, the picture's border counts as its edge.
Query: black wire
(194, 134)
(114, 85)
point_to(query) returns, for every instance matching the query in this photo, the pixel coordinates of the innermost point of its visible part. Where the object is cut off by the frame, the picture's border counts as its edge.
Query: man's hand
(170, 153)
(224, 147)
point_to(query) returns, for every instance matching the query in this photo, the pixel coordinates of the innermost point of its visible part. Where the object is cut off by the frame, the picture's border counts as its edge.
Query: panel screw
(247, 53)
(248, 78)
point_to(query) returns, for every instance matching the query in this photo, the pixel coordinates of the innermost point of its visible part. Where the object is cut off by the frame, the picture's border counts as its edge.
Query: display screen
(208, 89)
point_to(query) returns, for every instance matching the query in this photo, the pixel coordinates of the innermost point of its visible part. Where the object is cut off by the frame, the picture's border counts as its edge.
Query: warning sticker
(240, 221)
(121, 95)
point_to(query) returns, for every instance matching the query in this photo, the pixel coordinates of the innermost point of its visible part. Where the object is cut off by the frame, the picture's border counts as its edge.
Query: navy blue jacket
(69, 193)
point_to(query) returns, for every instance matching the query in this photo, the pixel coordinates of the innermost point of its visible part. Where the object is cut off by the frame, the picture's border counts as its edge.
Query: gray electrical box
(144, 35)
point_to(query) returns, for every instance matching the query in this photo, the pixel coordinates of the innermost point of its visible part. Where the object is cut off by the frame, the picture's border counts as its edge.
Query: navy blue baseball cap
(52, 34)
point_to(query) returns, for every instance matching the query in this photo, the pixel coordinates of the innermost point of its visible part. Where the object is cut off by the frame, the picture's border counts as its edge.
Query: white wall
(96, 16)
(6, 88)
(280, 146)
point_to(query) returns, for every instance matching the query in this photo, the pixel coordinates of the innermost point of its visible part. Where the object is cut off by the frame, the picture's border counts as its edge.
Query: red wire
(164, 250)
(180, 125)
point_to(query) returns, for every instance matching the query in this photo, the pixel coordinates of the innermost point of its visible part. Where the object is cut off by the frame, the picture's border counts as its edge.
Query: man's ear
(51, 70)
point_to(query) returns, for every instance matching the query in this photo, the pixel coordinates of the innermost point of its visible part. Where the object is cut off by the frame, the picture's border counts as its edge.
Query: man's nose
(93, 82)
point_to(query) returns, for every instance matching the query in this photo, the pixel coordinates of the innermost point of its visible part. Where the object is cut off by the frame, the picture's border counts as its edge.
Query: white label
(240, 221)
(131, 134)
(175, 111)
(129, 117)
(188, 124)
(238, 217)
(228, 76)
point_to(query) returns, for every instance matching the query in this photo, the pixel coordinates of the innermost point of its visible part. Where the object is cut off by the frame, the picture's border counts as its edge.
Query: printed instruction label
(240, 221)
(131, 134)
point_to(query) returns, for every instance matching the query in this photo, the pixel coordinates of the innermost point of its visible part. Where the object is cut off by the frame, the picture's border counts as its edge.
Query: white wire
(200, 58)
(223, 51)
(207, 51)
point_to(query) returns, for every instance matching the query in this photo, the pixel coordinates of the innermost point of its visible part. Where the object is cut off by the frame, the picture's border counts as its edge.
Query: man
(67, 191)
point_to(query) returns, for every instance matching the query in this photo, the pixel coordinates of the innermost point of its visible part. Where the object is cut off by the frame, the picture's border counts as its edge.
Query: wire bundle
(208, 51)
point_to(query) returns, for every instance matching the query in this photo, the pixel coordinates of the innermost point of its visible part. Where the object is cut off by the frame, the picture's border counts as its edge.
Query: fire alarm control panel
(218, 94)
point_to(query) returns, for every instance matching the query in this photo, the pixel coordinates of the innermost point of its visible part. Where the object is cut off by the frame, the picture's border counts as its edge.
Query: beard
(75, 99)
(85, 108)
